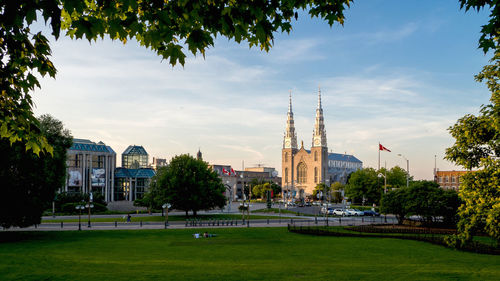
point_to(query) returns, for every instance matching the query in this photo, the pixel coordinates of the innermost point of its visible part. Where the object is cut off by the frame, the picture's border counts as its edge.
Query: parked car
(339, 212)
(371, 213)
(308, 204)
(356, 212)
(329, 210)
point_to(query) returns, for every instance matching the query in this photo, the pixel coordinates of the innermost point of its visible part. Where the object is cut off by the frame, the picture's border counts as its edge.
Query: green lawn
(235, 254)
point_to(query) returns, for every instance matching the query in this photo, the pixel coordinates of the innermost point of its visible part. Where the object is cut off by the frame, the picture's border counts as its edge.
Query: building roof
(87, 145)
(343, 157)
(135, 150)
(134, 173)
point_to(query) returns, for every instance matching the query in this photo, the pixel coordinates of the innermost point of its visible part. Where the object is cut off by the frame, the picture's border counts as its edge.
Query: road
(282, 221)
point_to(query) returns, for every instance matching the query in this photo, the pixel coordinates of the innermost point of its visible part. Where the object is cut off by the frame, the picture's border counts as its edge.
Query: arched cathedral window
(315, 156)
(302, 173)
(286, 156)
(315, 174)
(286, 175)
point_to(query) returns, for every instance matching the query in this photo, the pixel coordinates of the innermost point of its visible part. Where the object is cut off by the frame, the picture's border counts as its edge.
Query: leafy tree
(276, 189)
(363, 184)
(477, 142)
(166, 27)
(336, 188)
(320, 188)
(424, 199)
(29, 181)
(394, 202)
(427, 200)
(188, 184)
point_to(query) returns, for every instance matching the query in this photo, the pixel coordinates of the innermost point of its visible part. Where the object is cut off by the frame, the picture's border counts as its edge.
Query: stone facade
(449, 179)
(303, 169)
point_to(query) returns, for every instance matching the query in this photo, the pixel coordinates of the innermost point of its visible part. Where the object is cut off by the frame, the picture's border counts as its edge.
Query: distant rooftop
(135, 150)
(87, 145)
(343, 157)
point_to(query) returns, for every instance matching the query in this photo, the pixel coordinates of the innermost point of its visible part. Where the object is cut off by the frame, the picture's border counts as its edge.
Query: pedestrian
(128, 217)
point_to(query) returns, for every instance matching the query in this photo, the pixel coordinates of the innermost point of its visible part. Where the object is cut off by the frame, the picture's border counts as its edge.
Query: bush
(70, 208)
(64, 198)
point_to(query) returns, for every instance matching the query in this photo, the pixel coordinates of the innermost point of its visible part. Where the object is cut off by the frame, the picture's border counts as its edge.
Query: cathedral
(303, 169)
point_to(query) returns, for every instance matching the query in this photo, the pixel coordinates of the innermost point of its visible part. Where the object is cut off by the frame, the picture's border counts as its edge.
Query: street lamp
(228, 187)
(385, 182)
(89, 206)
(407, 170)
(80, 208)
(166, 206)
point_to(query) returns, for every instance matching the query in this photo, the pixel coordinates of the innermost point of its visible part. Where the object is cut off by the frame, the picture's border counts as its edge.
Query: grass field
(235, 254)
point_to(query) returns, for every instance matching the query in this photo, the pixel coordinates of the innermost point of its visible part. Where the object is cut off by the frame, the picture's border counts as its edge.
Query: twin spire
(319, 133)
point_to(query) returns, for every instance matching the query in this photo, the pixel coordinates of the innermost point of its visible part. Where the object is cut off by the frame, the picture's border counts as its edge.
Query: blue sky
(398, 72)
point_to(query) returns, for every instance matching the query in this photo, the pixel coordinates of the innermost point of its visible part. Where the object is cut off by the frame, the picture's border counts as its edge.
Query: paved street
(282, 221)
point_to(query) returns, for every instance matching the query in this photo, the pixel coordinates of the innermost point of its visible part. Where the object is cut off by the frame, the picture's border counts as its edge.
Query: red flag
(232, 171)
(383, 148)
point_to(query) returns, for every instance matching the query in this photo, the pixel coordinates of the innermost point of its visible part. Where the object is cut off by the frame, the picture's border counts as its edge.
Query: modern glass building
(91, 168)
(135, 157)
(131, 184)
(133, 178)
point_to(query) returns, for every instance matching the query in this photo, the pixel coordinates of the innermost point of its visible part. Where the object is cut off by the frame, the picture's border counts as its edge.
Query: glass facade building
(90, 168)
(135, 157)
(131, 184)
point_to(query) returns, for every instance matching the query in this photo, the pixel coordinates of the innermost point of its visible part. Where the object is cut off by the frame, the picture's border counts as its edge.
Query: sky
(397, 72)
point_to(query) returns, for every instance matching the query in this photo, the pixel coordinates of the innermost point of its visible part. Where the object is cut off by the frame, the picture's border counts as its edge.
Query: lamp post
(228, 187)
(385, 182)
(80, 208)
(166, 206)
(407, 170)
(89, 206)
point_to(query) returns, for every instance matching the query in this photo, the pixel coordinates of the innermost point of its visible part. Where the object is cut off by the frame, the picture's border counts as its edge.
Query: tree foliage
(165, 27)
(424, 199)
(396, 177)
(477, 142)
(188, 184)
(364, 184)
(29, 181)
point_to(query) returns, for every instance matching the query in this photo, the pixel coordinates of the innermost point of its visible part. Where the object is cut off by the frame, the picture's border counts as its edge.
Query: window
(286, 156)
(315, 156)
(302, 173)
(445, 179)
(286, 175)
(315, 174)
(453, 179)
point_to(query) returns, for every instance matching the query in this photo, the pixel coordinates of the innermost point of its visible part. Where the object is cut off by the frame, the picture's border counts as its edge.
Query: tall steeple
(290, 138)
(319, 133)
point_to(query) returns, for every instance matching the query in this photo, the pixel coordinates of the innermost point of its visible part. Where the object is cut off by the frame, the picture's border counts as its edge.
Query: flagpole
(378, 156)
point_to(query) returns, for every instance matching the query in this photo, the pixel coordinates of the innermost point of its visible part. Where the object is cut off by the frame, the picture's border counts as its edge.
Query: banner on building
(75, 177)
(98, 177)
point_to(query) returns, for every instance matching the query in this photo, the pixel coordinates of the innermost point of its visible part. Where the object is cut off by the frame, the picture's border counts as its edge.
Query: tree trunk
(194, 213)
(186, 213)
